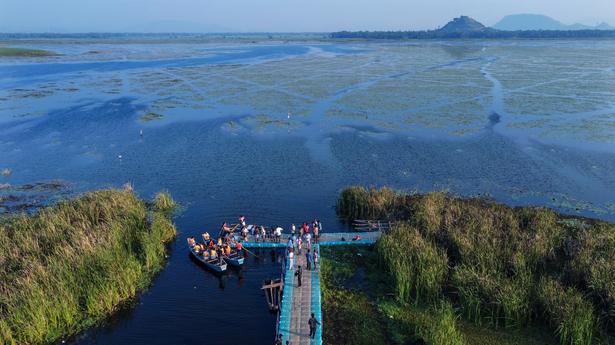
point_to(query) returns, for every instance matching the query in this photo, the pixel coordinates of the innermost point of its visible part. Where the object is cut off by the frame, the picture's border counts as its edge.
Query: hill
(462, 24)
(466, 27)
(541, 22)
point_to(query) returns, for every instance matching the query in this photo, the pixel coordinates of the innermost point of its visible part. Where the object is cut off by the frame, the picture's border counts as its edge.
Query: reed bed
(442, 330)
(418, 268)
(72, 264)
(502, 267)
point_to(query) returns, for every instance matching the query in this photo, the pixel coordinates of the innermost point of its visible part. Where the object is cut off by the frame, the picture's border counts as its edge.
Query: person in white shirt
(291, 259)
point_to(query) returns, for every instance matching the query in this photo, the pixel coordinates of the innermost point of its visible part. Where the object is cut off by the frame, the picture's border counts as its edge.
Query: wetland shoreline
(474, 268)
(69, 266)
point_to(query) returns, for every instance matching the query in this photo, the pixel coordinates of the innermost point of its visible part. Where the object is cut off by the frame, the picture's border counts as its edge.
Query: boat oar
(247, 250)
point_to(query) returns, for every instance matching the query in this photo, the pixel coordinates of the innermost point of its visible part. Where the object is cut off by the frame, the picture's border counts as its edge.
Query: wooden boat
(216, 265)
(235, 259)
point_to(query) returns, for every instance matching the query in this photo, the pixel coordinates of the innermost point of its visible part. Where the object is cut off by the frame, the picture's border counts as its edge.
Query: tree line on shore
(485, 34)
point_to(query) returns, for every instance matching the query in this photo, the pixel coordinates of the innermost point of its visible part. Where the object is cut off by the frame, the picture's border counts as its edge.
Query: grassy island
(70, 265)
(469, 271)
(24, 52)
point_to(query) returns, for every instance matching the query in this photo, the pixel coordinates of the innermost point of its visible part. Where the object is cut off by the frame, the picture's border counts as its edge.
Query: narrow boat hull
(214, 265)
(234, 261)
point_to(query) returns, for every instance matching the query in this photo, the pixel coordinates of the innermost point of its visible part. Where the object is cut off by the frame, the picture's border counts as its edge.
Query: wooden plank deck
(302, 304)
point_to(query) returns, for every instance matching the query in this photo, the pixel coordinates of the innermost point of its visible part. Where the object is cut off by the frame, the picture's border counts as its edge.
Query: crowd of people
(273, 233)
(300, 238)
(301, 241)
(212, 249)
(298, 241)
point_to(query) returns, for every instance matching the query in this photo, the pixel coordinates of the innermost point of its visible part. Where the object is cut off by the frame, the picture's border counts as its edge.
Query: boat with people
(231, 255)
(209, 258)
(234, 258)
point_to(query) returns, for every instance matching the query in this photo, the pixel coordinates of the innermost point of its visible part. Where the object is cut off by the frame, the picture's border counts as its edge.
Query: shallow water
(525, 122)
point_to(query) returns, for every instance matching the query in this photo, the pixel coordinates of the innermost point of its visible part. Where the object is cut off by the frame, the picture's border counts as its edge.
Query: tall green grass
(364, 203)
(164, 202)
(442, 330)
(72, 264)
(418, 268)
(567, 309)
(491, 260)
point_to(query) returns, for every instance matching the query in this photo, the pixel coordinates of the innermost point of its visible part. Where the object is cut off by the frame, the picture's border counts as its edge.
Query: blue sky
(278, 15)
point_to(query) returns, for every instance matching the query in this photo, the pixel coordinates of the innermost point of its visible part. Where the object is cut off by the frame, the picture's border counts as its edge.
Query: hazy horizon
(71, 16)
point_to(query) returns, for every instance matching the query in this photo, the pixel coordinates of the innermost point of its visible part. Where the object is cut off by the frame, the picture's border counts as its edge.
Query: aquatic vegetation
(494, 261)
(364, 203)
(354, 315)
(24, 52)
(150, 116)
(361, 303)
(418, 268)
(164, 202)
(443, 330)
(30, 196)
(70, 265)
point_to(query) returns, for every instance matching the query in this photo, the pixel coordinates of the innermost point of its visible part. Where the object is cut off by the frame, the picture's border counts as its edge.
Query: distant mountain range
(541, 22)
(466, 27)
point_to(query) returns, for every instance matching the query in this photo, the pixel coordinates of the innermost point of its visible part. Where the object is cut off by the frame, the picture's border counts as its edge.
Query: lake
(275, 130)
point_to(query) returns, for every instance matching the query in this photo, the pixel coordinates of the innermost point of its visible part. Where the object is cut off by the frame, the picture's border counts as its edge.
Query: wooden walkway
(302, 304)
(299, 302)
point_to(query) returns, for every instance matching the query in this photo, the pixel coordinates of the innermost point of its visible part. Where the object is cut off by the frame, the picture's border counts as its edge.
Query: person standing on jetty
(308, 241)
(291, 259)
(298, 274)
(313, 324)
(308, 260)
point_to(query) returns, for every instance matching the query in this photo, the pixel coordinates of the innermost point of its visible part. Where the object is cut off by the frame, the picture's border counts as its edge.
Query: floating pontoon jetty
(298, 303)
